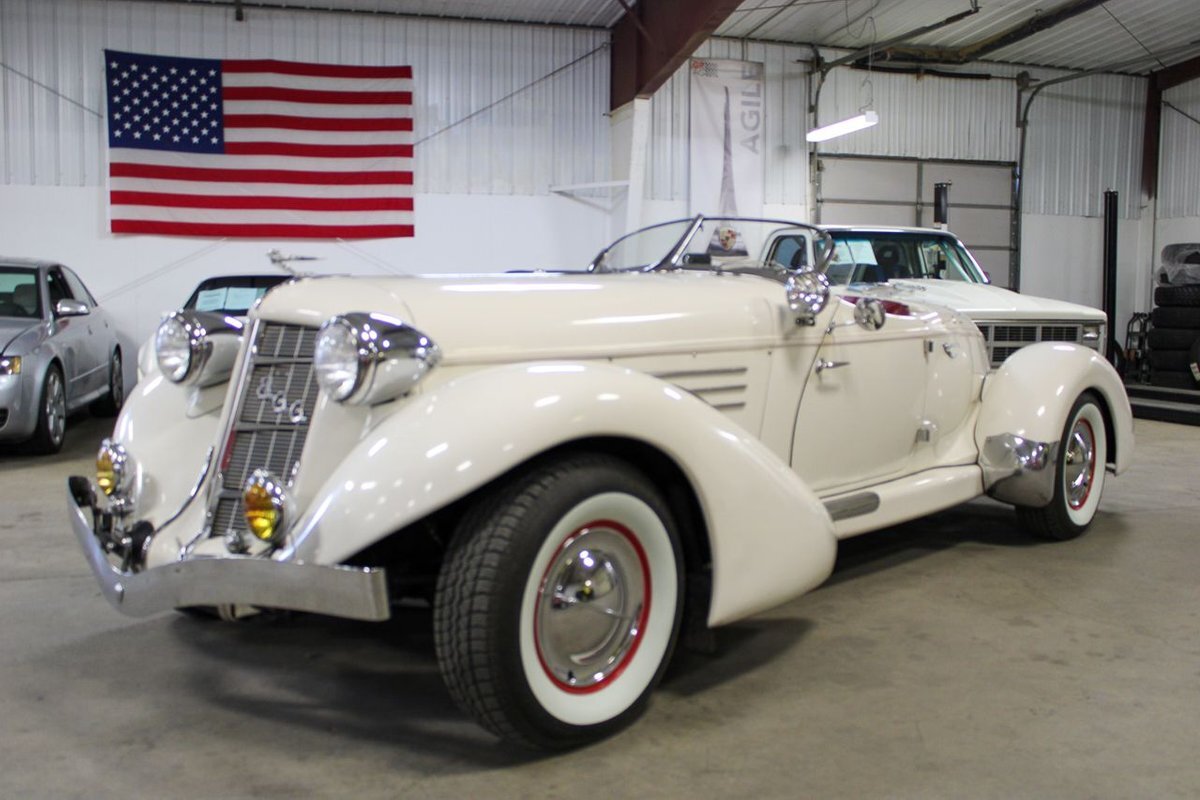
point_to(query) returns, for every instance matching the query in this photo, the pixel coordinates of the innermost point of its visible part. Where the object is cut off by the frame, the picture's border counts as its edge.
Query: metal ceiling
(1111, 32)
(583, 13)
(1150, 33)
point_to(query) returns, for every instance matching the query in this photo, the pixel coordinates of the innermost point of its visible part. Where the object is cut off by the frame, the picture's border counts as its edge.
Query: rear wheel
(52, 414)
(110, 404)
(558, 604)
(1078, 475)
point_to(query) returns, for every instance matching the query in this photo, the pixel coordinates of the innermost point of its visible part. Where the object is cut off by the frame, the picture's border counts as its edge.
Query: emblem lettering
(278, 403)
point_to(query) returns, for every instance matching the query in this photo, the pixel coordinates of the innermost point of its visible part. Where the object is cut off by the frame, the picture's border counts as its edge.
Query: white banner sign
(726, 138)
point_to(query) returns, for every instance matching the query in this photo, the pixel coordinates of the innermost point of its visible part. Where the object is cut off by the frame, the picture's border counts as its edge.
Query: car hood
(499, 317)
(10, 329)
(985, 302)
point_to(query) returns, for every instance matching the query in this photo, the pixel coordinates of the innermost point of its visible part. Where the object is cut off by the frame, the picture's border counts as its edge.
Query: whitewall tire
(558, 604)
(1078, 476)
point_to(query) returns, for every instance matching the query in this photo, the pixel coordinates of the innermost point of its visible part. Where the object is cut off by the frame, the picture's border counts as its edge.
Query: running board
(904, 499)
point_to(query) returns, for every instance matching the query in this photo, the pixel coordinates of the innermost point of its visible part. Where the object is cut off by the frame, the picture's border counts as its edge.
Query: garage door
(892, 191)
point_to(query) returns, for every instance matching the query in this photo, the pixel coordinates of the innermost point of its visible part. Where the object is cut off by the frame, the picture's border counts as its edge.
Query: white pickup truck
(935, 266)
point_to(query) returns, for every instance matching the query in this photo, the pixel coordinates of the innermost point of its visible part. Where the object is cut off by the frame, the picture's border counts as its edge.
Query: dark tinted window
(79, 291)
(19, 293)
(58, 287)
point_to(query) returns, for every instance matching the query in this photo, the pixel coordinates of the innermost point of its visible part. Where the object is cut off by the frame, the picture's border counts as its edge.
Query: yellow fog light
(265, 501)
(112, 468)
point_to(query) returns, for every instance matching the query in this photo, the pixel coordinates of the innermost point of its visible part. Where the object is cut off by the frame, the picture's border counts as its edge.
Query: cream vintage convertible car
(571, 467)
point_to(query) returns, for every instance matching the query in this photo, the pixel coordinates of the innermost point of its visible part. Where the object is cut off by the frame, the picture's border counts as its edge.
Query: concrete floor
(951, 657)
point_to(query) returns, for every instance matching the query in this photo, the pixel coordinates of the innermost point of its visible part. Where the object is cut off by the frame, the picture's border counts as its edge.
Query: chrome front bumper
(1018, 470)
(352, 592)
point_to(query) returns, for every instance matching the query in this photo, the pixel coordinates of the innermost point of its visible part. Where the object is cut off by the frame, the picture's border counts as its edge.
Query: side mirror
(71, 308)
(869, 313)
(807, 295)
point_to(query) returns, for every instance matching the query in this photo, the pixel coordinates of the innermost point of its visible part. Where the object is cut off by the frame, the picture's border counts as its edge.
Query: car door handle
(823, 365)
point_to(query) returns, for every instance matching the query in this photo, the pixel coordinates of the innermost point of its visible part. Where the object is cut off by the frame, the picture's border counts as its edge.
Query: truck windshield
(874, 257)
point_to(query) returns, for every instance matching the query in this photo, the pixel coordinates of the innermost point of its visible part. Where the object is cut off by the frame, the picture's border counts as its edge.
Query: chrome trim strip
(1018, 470)
(186, 550)
(234, 405)
(855, 505)
(669, 260)
(351, 592)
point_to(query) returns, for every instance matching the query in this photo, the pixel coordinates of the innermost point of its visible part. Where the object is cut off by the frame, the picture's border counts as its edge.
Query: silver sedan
(58, 352)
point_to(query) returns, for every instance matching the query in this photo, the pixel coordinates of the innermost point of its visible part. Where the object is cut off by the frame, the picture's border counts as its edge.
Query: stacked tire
(1175, 337)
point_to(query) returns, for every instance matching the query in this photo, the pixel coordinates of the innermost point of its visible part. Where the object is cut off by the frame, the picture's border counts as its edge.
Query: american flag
(258, 148)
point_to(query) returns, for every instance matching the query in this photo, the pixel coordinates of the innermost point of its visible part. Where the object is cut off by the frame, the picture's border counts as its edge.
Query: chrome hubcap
(56, 407)
(592, 606)
(1080, 467)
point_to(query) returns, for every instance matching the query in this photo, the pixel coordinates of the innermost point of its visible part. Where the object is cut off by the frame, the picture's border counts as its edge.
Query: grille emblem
(279, 404)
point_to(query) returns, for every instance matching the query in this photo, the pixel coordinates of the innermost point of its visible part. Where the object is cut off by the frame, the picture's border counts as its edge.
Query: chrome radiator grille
(268, 430)
(1005, 338)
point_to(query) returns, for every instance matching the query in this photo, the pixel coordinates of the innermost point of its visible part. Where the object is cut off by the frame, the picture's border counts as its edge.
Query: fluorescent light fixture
(835, 129)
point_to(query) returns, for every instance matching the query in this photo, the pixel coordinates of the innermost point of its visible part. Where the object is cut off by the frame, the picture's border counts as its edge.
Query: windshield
(232, 294)
(713, 243)
(19, 295)
(874, 257)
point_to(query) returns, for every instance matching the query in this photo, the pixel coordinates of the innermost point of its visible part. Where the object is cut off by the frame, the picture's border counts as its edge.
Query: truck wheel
(1078, 475)
(52, 414)
(558, 603)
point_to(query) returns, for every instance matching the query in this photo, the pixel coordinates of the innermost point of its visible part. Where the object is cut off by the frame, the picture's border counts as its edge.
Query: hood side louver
(722, 388)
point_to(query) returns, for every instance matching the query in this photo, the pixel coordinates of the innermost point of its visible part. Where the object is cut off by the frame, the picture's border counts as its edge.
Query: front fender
(770, 537)
(1032, 392)
(170, 431)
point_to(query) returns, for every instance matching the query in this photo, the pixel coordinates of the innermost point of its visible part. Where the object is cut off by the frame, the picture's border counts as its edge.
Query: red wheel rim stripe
(642, 618)
(1091, 469)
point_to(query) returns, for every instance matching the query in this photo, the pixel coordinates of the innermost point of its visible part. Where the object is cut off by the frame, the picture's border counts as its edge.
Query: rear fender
(770, 537)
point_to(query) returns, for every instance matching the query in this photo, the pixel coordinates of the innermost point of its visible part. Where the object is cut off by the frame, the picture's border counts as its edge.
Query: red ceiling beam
(655, 37)
(1172, 76)
(1160, 81)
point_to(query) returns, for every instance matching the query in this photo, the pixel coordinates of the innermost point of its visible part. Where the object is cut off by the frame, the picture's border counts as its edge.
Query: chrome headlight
(10, 365)
(177, 347)
(1093, 331)
(371, 358)
(335, 359)
(1092, 335)
(197, 347)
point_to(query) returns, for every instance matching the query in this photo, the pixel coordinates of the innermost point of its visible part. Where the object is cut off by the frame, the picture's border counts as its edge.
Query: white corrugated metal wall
(1179, 166)
(553, 130)
(1085, 136)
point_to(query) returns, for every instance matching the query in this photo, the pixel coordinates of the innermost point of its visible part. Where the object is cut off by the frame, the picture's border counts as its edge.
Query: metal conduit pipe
(1014, 273)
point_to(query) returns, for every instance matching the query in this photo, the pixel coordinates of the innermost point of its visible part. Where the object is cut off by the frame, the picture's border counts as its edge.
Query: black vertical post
(1110, 268)
(941, 203)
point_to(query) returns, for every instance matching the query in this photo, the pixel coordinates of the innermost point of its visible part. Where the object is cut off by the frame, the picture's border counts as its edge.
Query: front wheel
(1078, 475)
(52, 414)
(558, 604)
